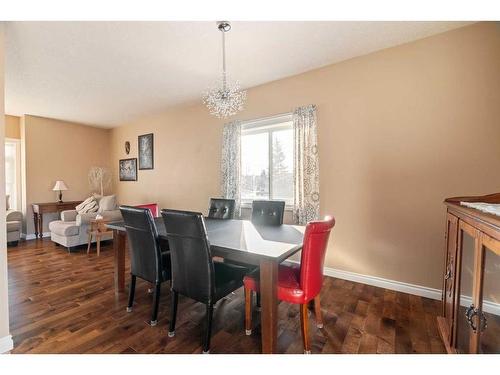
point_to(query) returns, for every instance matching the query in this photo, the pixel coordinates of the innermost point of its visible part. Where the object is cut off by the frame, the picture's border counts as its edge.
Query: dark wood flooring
(65, 303)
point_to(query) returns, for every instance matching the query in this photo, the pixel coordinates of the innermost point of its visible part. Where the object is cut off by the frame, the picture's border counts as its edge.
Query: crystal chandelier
(225, 98)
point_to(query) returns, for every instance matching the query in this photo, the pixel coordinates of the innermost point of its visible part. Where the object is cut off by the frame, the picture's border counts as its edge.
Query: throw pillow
(91, 207)
(84, 203)
(107, 203)
(88, 205)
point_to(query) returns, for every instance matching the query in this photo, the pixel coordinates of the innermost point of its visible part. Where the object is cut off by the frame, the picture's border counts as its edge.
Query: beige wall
(187, 159)
(399, 130)
(59, 150)
(12, 127)
(5, 340)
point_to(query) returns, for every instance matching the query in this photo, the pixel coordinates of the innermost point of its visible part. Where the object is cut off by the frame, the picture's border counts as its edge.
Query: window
(12, 173)
(267, 160)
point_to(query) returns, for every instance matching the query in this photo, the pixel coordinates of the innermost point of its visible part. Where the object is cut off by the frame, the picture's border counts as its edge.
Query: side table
(97, 229)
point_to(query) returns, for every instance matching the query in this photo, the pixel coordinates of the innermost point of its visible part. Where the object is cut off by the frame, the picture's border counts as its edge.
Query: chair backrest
(268, 212)
(192, 266)
(221, 208)
(313, 255)
(143, 243)
(153, 207)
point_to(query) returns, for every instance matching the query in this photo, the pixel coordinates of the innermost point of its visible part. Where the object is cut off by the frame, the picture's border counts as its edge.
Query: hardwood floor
(65, 303)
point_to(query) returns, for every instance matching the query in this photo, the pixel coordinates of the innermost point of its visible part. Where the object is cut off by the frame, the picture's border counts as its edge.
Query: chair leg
(131, 293)
(90, 242)
(208, 332)
(258, 300)
(156, 304)
(98, 245)
(248, 311)
(304, 328)
(173, 317)
(317, 312)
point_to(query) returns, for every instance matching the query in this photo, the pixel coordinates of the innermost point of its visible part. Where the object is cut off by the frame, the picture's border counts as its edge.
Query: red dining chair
(298, 284)
(153, 207)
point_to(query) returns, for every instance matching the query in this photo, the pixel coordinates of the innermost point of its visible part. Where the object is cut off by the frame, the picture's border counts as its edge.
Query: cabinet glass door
(465, 298)
(487, 321)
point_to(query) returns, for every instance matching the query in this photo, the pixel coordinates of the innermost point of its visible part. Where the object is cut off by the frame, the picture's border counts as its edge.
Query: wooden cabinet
(470, 321)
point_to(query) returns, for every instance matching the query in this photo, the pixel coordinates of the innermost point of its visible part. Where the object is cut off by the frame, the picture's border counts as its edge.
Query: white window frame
(267, 125)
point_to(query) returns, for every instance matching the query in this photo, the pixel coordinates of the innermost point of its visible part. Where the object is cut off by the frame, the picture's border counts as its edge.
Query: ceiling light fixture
(225, 98)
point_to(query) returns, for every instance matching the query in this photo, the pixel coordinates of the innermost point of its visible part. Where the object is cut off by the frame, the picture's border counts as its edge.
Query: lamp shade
(60, 185)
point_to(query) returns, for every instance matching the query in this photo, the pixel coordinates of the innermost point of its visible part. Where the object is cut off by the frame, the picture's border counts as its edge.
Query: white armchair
(14, 221)
(71, 230)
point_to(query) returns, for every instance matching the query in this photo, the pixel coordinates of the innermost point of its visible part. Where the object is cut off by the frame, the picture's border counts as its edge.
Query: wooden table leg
(119, 238)
(40, 225)
(269, 303)
(35, 223)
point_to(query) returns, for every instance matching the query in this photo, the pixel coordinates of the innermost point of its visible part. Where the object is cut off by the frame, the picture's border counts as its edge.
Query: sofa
(14, 221)
(72, 229)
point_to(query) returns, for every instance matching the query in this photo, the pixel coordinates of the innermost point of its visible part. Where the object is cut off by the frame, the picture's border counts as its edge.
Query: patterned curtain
(306, 161)
(231, 161)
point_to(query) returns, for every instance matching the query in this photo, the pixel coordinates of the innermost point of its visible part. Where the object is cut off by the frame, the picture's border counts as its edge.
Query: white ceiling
(110, 73)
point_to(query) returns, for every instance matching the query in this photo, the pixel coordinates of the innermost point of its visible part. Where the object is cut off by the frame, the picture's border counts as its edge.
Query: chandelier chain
(223, 59)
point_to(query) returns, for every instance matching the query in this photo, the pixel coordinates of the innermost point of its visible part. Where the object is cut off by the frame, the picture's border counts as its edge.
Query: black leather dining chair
(268, 212)
(147, 260)
(221, 208)
(194, 274)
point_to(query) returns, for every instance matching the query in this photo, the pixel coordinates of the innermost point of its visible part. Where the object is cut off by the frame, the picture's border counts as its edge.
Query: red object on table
(153, 207)
(302, 283)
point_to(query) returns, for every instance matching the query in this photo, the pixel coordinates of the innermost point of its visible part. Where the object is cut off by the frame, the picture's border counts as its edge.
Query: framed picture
(128, 169)
(146, 155)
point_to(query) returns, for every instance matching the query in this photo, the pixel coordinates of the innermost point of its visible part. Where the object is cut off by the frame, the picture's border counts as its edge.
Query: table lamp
(60, 186)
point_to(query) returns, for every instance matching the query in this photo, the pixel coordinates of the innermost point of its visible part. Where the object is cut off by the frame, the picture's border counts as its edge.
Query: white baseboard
(6, 344)
(31, 236)
(398, 286)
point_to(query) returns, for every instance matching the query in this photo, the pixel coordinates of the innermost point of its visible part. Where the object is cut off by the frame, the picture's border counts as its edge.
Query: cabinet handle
(483, 322)
(470, 313)
(447, 276)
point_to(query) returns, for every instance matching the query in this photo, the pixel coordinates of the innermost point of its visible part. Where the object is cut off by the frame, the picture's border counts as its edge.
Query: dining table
(240, 241)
